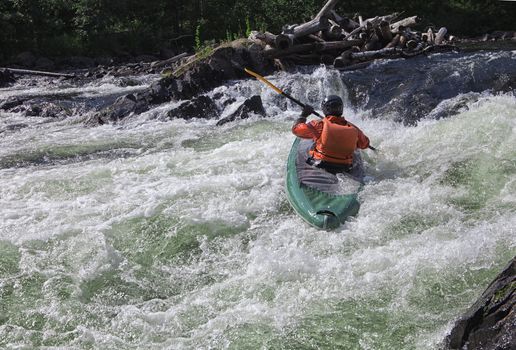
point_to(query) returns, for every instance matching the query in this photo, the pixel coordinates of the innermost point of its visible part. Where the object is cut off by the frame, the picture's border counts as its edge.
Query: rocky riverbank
(186, 79)
(490, 323)
(189, 76)
(193, 78)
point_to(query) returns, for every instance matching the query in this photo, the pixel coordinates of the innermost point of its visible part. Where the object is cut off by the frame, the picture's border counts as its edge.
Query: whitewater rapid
(176, 234)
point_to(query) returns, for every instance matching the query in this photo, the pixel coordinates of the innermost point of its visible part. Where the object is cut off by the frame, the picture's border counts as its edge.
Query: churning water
(177, 234)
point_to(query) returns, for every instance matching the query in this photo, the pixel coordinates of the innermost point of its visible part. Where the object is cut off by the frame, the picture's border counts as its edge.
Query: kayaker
(335, 139)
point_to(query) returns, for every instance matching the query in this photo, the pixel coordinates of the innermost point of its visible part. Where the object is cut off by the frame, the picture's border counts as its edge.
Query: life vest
(336, 143)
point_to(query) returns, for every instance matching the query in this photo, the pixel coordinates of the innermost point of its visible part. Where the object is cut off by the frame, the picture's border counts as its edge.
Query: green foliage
(198, 41)
(64, 27)
(248, 28)
(204, 52)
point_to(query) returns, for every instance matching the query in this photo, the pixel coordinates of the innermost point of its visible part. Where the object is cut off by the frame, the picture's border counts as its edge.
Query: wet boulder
(131, 104)
(251, 106)
(193, 79)
(223, 99)
(199, 107)
(491, 322)
(158, 92)
(120, 109)
(409, 90)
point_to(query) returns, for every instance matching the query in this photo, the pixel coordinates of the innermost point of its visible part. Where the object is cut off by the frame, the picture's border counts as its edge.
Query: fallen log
(314, 37)
(373, 22)
(430, 36)
(37, 72)
(327, 8)
(406, 22)
(312, 47)
(311, 27)
(391, 17)
(342, 41)
(345, 23)
(267, 38)
(386, 18)
(439, 37)
(368, 55)
(169, 61)
(296, 49)
(338, 45)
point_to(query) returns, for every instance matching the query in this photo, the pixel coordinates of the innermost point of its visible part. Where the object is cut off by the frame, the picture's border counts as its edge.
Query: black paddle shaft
(299, 103)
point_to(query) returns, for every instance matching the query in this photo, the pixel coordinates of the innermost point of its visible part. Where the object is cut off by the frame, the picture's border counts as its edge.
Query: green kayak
(322, 199)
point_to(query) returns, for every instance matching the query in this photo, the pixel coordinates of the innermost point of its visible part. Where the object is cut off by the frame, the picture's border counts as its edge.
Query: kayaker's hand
(300, 120)
(307, 110)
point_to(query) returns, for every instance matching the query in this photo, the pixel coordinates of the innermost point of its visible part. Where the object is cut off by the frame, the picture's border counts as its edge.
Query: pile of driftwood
(332, 39)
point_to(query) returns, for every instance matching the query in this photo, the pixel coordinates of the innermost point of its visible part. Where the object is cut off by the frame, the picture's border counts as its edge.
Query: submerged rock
(252, 105)
(199, 107)
(491, 322)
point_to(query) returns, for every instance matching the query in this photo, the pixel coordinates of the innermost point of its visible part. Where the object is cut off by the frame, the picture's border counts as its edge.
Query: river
(177, 234)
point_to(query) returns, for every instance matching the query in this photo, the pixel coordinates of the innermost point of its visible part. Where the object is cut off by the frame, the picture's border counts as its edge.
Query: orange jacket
(335, 138)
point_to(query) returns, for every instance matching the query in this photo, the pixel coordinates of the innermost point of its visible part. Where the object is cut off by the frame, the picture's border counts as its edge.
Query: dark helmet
(332, 105)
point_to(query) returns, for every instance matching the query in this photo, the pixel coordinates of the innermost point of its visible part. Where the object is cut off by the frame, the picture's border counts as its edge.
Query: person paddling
(335, 139)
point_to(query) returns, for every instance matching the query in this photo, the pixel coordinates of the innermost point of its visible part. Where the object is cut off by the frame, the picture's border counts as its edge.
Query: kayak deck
(322, 199)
